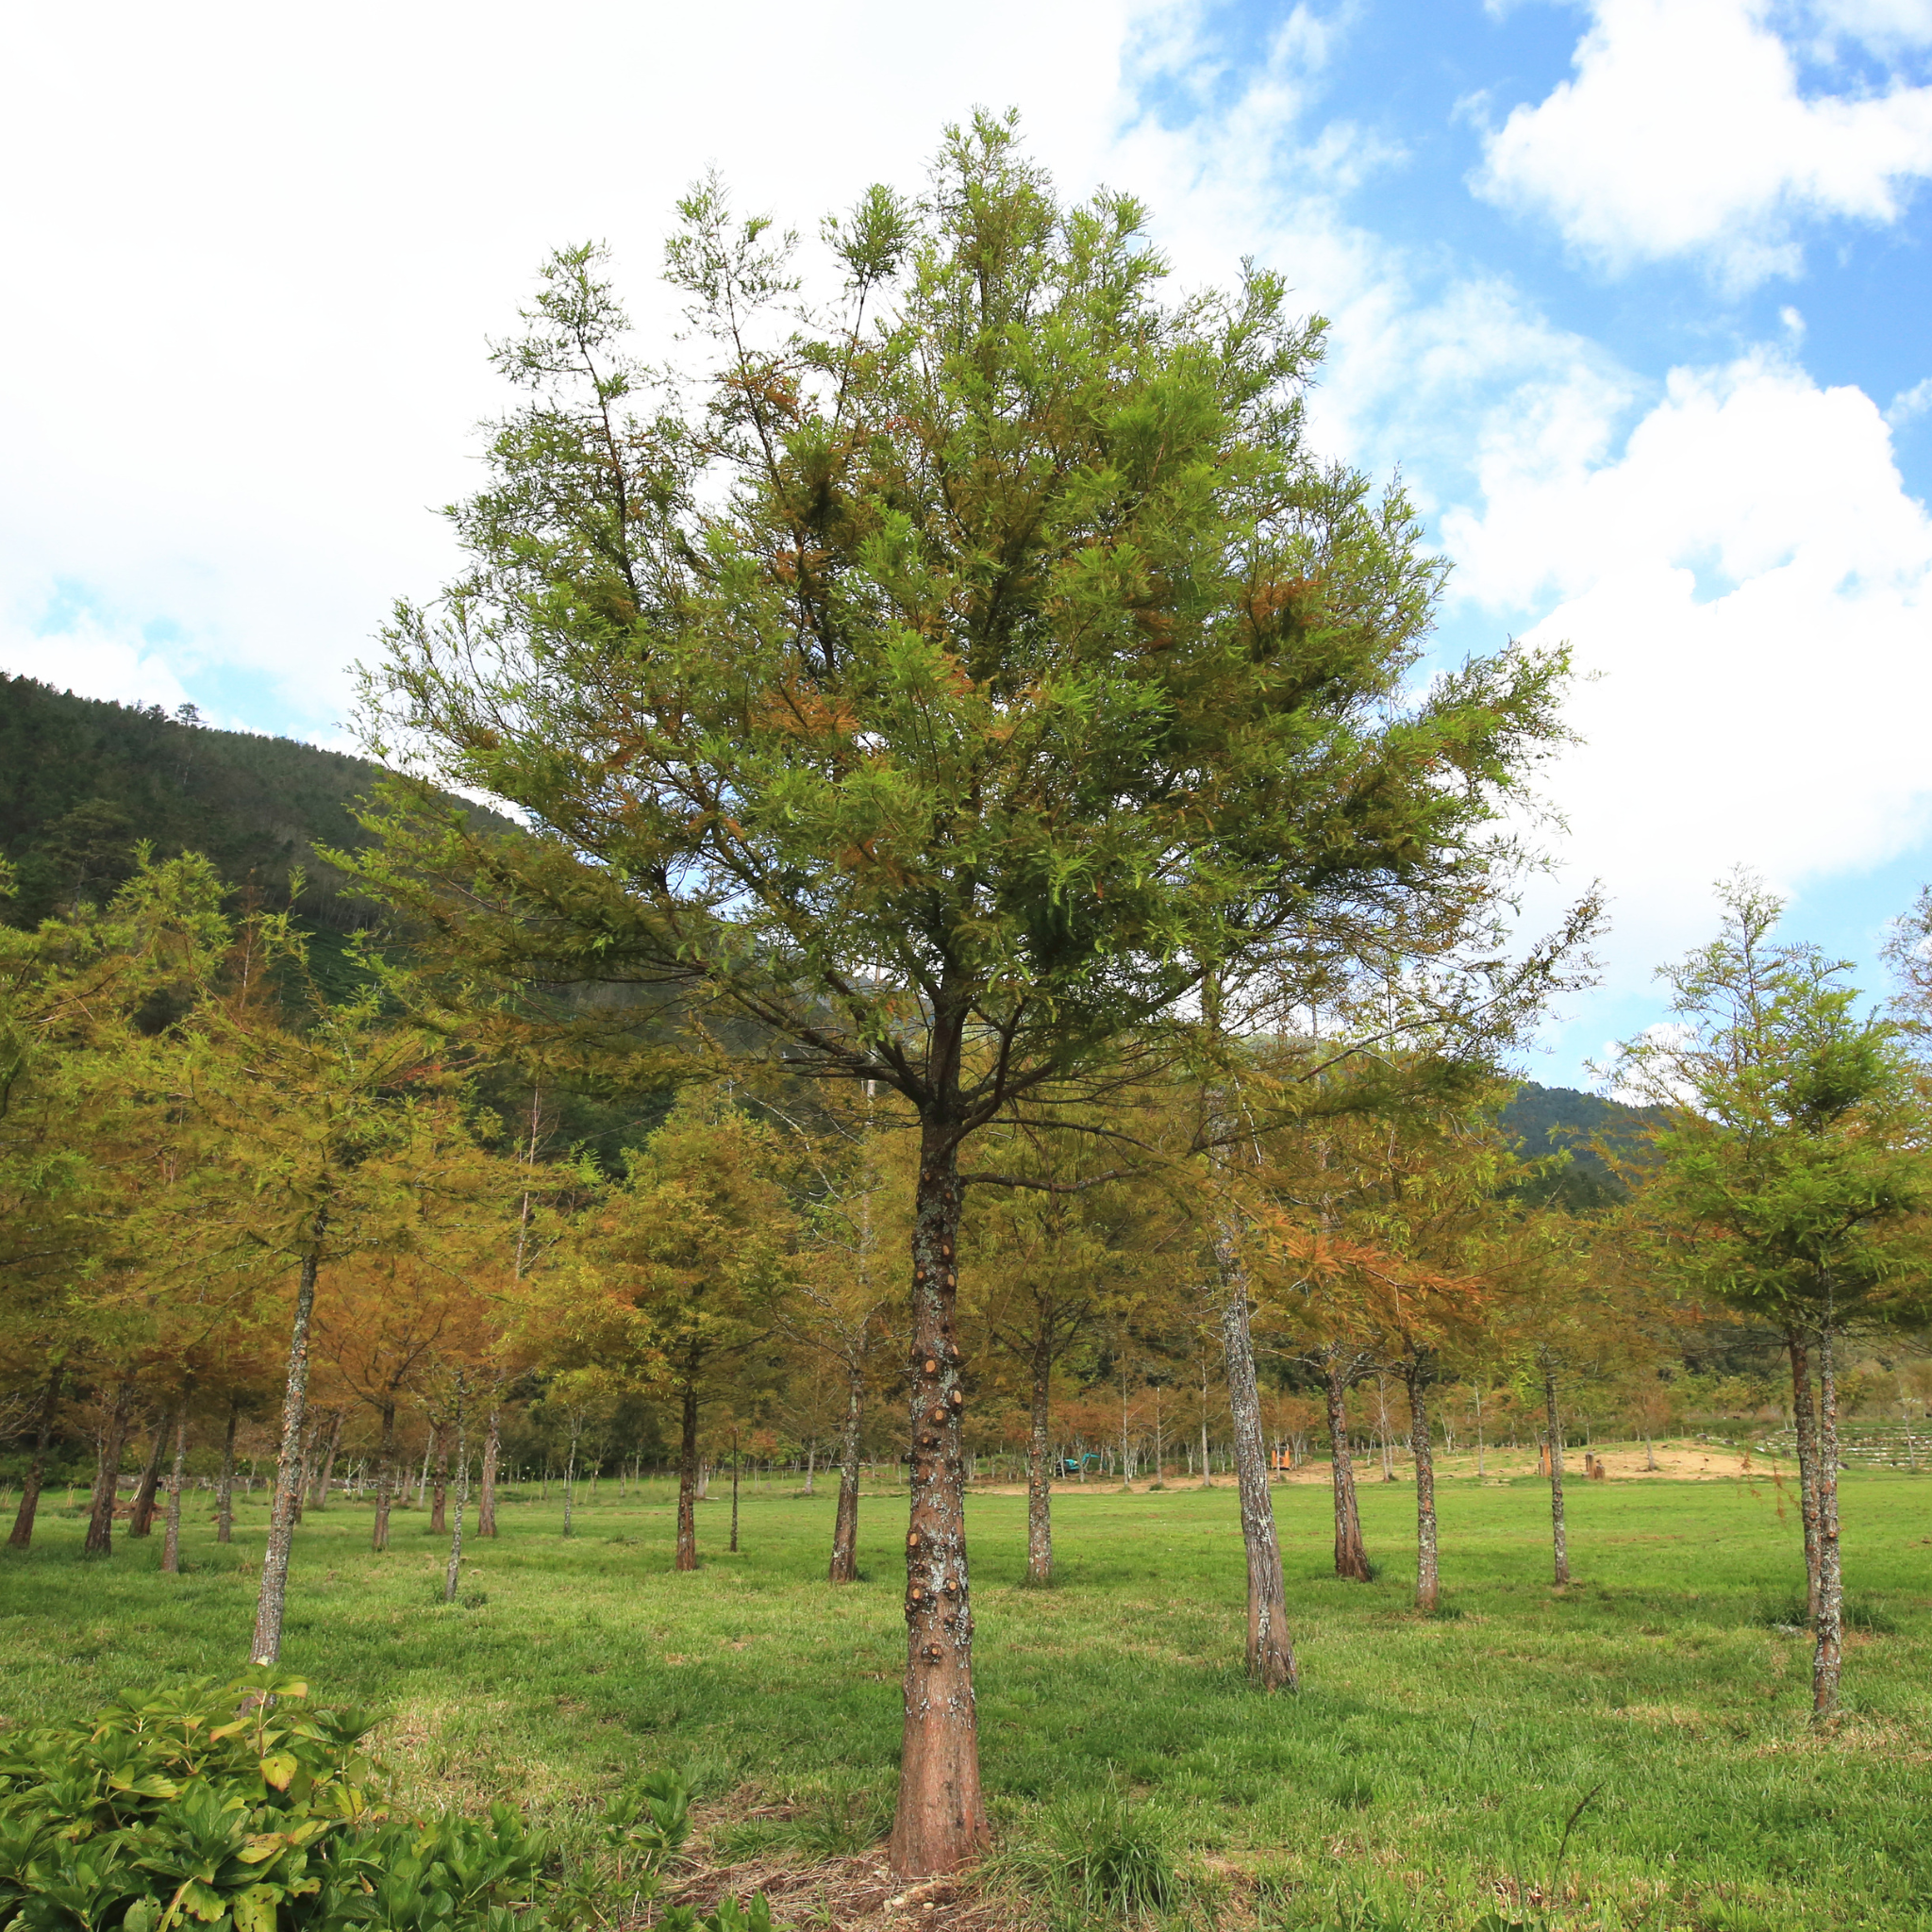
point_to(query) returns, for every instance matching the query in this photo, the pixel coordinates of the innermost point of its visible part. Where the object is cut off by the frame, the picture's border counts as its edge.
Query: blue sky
(1634, 292)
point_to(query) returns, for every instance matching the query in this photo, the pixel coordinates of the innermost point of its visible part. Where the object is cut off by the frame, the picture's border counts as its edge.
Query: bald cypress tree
(934, 691)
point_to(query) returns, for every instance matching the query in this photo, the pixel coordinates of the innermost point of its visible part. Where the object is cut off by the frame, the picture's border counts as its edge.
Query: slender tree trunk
(171, 1540)
(845, 1522)
(1805, 1427)
(385, 1478)
(328, 1473)
(142, 1520)
(1351, 1558)
(456, 1542)
(267, 1644)
(23, 1535)
(941, 1820)
(438, 1493)
(224, 1490)
(100, 1528)
(570, 1488)
(734, 1492)
(1417, 1376)
(687, 1558)
(1829, 1649)
(1270, 1652)
(811, 1466)
(1039, 1476)
(1560, 1538)
(302, 1469)
(1479, 1471)
(428, 1456)
(486, 1494)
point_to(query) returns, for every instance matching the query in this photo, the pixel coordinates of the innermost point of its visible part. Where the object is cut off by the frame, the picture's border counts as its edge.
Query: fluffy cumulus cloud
(1686, 132)
(1748, 591)
(250, 257)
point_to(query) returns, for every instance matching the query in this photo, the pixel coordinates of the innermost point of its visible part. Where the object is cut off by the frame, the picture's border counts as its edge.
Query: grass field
(1423, 1777)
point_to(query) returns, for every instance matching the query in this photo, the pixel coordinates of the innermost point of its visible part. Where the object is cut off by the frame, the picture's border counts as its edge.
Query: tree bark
(1560, 1538)
(1270, 1652)
(734, 1492)
(100, 1527)
(452, 1575)
(687, 1558)
(328, 1473)
(142, 1520)
(438, 1493)
(1039, 1476)
(23, 1534)
(1416, 1374)
(385, 1478)
(224, 1490)
(267, 1644)
(486, 1494)
(171, 1541)
(1351, 1557)
(845, 1522)
(1805, 1427)
(1828, 1651)
(940, 1823)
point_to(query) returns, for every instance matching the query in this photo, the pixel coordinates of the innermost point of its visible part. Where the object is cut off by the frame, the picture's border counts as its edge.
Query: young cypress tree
(939, 692)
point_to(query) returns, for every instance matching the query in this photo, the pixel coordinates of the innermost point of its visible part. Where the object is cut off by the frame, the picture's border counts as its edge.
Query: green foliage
(996, 660)
(238, 1806)
(1790, 1175)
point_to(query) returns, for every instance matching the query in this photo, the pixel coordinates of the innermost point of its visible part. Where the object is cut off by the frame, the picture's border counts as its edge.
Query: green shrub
(238, 1807)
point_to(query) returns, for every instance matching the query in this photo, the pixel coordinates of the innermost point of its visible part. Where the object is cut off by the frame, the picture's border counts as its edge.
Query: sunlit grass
(1425, 1764)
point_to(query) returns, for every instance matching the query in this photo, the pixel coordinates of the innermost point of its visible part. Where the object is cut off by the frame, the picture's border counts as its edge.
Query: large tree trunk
(327, 1475)
(941, 1820)
(1351, 1558)
(486, 1494)
(1559, 1537)
(687, 1479)
(23, 1535)
(1270, 1653)
(1416, 1374)
(1805, 1427)
(100, 1525)
(1828, 1651)
(385, 1478)
(143, 1519)
(224, 1490)
(267, 1644)
(1039, 1476)
(171, 1541)
(845, 1522)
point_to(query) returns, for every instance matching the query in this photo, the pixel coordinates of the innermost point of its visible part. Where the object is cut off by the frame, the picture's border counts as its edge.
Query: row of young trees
(971, 755)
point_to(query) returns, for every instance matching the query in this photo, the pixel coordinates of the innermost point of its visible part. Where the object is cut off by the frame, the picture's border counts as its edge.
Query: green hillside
(83, 781)
(1556, 1120)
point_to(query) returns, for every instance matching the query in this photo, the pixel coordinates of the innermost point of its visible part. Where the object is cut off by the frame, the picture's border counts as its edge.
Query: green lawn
(1423, 1763)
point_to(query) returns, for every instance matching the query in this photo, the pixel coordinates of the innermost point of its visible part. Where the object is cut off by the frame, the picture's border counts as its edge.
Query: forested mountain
(1557, 1120)
(83, 781)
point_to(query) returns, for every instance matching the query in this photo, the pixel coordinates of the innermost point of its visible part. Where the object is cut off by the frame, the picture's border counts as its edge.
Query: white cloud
(1910, 403)
(250, 257)
(94, 657)
(1749, 589)
(1684, 133)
